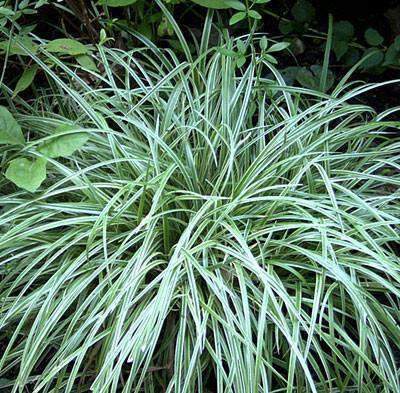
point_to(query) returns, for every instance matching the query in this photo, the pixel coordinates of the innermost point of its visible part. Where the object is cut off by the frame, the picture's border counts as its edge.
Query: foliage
(219, 229)
(346, 47)
(27, 174)
(10, 130)
(120, 18)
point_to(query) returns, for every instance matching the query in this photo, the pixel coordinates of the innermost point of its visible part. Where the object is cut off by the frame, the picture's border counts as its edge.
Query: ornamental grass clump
(215, 231)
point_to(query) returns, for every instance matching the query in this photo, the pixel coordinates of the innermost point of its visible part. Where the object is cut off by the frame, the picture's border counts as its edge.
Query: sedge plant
(218, 231)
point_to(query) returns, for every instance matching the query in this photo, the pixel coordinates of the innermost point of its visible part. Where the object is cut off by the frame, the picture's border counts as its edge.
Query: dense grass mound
(218, 232)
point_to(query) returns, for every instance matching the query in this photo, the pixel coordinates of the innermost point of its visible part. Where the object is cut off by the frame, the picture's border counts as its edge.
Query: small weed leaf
(375, 58)
(303, 11)
(392, 55)
(264, 43)
(310, 77)
(26, 79)
(340, 48)
(67, 46)
(343, 31)
(17, 46)
(373, 37)
(279, 46)
(239, 16)
(86, 62)
(236, 5)
(10, 130)
(254, 14)
(27, 174)
(64, 145)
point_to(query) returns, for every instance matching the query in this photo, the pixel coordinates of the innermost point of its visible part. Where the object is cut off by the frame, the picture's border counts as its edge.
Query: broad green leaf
(215, 4)
(397, 43)
(303, 11)
(87, 62)
(10, 130)
(373, 37)
(343, 31)
(317, 71)
(145, 29)
(289, 74)
(264, 43)
(66, 143)
(227, 52)
(40, 3)
(237, 17)
(6, 11)
(392, 55)
(24, 4)
(236, 5)
(241, 46)
(254, 14)
(270, 58)
(26, 79)
(27, 174)
(165, 28)
(117, 3)
(67, 46)
(278, 46)
(307, 79)
(310, 78)
(240, 61)
(374, 60)
(340, 48)
(351, 57)
(17, 46)
(286, 26)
